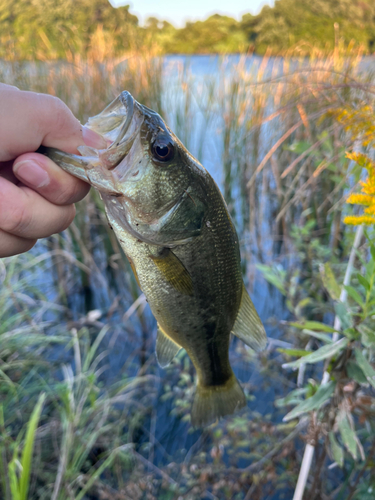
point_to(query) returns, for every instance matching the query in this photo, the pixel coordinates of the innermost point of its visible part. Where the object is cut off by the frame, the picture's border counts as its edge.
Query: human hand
(36, 196)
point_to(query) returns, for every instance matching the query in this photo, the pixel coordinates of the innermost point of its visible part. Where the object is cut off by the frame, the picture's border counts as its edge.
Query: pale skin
(36, 197)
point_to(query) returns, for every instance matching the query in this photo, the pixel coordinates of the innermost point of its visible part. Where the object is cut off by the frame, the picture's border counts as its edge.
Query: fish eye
(162, 149)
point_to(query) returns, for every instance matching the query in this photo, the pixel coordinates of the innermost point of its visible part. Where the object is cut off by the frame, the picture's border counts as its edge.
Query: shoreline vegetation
(46, 29)
(80, 390)
(85, 413)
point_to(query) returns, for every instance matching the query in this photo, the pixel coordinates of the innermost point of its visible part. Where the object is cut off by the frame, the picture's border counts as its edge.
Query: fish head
(145, 171)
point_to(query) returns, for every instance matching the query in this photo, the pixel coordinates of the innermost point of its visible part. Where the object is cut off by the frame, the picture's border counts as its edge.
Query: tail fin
(212, 403)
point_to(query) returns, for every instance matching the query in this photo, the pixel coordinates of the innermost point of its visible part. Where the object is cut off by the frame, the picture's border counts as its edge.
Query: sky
(178, 12)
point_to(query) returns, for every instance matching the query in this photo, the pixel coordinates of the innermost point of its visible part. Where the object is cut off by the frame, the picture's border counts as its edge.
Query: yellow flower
(367, 196)
(361, 199)
(356, 220)
(360, 124)
(368, 188)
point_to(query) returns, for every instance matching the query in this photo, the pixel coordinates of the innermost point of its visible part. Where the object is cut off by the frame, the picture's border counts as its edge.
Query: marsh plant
(341, 403)
(57, 420)
(281, 148)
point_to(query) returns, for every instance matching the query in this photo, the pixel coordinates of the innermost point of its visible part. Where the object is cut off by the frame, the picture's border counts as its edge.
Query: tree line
(50, 29)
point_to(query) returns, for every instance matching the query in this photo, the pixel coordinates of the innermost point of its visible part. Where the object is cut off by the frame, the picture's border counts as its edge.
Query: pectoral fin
(173, 271)
(248, 326)
(166, 349)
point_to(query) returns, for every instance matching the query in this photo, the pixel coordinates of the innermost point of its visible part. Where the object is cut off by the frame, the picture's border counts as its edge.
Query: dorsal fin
(248, 326)
(166, 349)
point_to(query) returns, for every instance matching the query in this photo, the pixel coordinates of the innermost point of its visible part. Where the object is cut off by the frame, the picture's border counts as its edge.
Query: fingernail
(93, 139)
(31, 173)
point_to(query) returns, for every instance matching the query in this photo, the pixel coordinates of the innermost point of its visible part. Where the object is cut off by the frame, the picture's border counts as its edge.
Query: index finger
(29, 119)
(5, 86)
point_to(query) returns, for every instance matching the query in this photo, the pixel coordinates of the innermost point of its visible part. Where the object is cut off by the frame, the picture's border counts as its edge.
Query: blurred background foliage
(47, 29)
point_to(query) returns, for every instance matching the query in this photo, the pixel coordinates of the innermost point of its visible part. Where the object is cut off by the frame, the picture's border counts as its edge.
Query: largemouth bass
(174, 227)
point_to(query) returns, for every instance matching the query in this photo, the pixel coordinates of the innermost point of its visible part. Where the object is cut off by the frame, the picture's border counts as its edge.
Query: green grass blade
(12, 386)
(107, 463)
(28, 448)
(3, 467)
(12, 467)
(13, 481)
(94, 347)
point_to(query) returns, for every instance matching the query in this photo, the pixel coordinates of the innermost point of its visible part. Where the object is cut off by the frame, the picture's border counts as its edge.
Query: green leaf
(329, 281)
(365, 366)
(293, 352)
(348, 435)
(343, 314)
(273, 276)
(351, 333)
(298, 147)
(372, 250)
(363, 281)
(314, 325)
(303, 303)
(315, 402)
(324, 352)
(321, 336)
(354, 372)
(294, 397)
(352, 292)
(337, 451)
(370, 270)
(367, 335)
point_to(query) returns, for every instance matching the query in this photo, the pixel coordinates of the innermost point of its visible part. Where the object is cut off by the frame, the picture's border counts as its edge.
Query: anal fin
(166, 348)
(248, 326)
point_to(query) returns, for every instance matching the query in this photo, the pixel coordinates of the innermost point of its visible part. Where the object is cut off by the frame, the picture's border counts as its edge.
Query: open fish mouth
(118, 123)
(113, 122)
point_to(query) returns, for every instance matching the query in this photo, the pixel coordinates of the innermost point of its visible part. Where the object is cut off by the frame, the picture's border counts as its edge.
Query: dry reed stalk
(281, 141)
(306, 153)
(301, 191)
